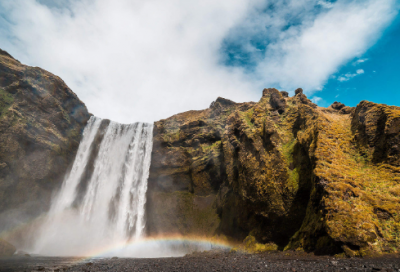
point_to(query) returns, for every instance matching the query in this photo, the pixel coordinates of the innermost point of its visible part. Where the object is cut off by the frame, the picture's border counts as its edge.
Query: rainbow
(153, 243)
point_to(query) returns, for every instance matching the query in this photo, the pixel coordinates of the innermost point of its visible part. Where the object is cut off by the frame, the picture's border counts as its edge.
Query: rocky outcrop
(6, 249)
(377, 132)
(41, 124)
(187, 171)
(282, 171)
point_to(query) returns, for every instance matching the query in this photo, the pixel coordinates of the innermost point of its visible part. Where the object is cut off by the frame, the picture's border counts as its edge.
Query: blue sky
(372, 75)
(380, 82)
(136, 60)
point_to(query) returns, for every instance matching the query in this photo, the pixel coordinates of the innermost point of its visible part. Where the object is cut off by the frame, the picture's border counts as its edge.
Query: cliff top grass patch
(360, 205)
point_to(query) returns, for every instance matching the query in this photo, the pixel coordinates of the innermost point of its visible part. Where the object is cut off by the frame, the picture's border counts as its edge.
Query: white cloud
(132, 60)
(326, 4)
(359, 61)
(348, 76)
(316, 99)
(316, 50)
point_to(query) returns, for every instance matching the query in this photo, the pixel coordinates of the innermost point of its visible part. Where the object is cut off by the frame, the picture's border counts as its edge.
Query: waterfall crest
(102, 199)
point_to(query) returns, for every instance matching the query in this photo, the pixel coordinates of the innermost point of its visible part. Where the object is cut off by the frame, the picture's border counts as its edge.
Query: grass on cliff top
(357, 188)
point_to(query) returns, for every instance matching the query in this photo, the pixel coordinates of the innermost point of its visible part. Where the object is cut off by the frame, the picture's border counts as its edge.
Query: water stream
(102, 200)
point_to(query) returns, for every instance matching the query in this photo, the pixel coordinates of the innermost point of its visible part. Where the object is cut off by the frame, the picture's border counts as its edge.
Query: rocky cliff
(41, 124)
(281, 172)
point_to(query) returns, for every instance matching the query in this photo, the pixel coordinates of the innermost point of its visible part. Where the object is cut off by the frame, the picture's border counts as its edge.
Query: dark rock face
(41, 124)
(283, 171)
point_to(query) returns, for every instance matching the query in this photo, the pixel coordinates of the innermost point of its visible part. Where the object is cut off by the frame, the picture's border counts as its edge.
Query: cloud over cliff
(134, 60)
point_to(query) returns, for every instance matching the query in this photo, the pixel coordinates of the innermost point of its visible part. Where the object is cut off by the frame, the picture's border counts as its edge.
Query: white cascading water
(102, 200)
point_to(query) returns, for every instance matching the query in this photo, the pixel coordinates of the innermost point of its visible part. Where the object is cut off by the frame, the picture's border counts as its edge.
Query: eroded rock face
(41, 124)
(282, 170)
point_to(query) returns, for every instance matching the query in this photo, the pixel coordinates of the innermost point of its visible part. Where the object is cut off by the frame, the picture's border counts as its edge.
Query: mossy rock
(251, 245)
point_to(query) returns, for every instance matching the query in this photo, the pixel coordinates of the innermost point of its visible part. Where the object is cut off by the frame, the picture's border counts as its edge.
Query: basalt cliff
(280, 173)
(41, 124)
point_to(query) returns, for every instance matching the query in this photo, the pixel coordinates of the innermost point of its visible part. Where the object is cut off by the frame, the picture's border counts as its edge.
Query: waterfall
(102, 199)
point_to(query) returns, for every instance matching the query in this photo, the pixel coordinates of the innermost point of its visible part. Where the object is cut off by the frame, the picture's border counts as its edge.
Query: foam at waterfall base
(102, 199)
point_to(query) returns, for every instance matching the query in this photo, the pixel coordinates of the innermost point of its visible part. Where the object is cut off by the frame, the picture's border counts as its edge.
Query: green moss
(214, 147)
(247, 116)
(6, 100)
(251, 245)
(172, 135)
(293, 182)
(287, 150)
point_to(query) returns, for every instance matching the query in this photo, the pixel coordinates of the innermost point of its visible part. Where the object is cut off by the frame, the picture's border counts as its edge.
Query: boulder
(298, 91)
(285, 94)
(269, 91)
(337, 105)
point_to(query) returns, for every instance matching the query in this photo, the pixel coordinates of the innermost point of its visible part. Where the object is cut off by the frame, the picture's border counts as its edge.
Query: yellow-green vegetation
(251, 245)
(359, 208)
(248, 115)
(171, 136)
(6, 100)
